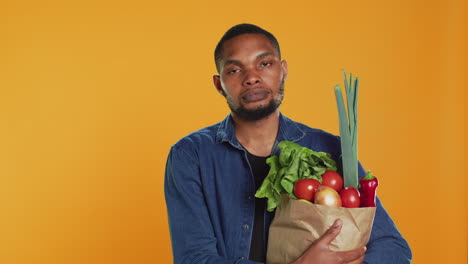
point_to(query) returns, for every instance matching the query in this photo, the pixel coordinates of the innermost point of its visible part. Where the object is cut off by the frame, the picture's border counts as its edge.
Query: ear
(217, 84)
(284, 67)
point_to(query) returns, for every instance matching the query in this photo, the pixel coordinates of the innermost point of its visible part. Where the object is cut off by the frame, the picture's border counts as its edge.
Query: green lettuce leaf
(294, 163)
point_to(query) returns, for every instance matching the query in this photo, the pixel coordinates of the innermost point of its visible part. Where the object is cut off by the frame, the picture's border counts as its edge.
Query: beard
(260, 112)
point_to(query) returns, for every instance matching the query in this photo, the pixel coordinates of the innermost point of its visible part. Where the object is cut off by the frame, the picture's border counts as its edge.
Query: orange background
(93, 94)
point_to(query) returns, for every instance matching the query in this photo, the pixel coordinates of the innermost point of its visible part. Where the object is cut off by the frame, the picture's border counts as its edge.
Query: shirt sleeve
(386, 245)
(192, 235)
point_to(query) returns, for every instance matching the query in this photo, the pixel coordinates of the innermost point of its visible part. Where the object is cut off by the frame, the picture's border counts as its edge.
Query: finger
(352, 255)
(332, 232)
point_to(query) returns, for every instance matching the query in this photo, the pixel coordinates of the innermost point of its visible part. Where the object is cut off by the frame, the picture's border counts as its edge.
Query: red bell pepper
(368, 185)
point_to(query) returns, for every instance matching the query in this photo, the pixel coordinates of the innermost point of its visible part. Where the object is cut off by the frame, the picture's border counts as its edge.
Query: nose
(251, 78)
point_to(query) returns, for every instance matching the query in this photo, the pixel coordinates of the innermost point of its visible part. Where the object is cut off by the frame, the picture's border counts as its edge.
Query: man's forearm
(386, 245)
(388, 250)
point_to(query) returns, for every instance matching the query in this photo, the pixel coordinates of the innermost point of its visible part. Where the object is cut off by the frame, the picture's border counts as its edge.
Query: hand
(320, 252)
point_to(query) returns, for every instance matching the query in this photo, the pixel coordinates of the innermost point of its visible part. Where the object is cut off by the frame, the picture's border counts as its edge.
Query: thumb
(332, 232)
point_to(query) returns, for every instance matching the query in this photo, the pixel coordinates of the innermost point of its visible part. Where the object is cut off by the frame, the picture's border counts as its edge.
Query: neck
(258, 137)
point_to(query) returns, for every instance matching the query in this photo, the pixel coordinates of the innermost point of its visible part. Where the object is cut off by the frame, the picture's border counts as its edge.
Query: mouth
(255, 95)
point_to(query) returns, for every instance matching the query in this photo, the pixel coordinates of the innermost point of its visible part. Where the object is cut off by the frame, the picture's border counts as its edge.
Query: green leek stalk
(348, 129)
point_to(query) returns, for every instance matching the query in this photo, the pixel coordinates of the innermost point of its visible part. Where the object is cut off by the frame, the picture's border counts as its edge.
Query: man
(212, 174)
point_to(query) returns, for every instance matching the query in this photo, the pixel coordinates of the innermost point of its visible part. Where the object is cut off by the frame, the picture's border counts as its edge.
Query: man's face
(251, 76)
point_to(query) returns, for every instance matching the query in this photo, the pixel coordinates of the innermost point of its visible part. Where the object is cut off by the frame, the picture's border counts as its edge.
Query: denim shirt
(209, 190)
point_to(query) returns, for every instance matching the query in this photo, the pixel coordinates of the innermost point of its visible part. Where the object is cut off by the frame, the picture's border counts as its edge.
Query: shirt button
(249, 197)
(241, 258)
(246, 227)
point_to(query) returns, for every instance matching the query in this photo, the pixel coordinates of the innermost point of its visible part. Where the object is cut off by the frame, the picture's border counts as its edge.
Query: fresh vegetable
(305, 189)
(350, 197)
(327, 196)
(368, 187)
(348, 129)
(293, 163)
(332, 179)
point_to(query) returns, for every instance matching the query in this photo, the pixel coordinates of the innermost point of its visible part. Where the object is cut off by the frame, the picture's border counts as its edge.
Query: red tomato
(305, 189)
(327, 196)
(350, 197)
(332, 179)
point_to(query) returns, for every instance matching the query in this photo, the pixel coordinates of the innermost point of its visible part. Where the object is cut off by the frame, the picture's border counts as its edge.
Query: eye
(265, 64)
(233, 71)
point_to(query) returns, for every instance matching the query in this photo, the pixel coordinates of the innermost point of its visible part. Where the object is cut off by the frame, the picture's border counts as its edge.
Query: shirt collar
(288, 130)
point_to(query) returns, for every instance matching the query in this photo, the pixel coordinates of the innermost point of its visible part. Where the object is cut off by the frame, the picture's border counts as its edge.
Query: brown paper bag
(297, 223)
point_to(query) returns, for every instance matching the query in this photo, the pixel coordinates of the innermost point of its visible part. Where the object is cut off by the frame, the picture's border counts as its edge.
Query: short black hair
(239, 30)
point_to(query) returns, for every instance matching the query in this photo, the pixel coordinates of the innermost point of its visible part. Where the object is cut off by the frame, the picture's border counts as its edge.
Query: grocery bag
(298, 223)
